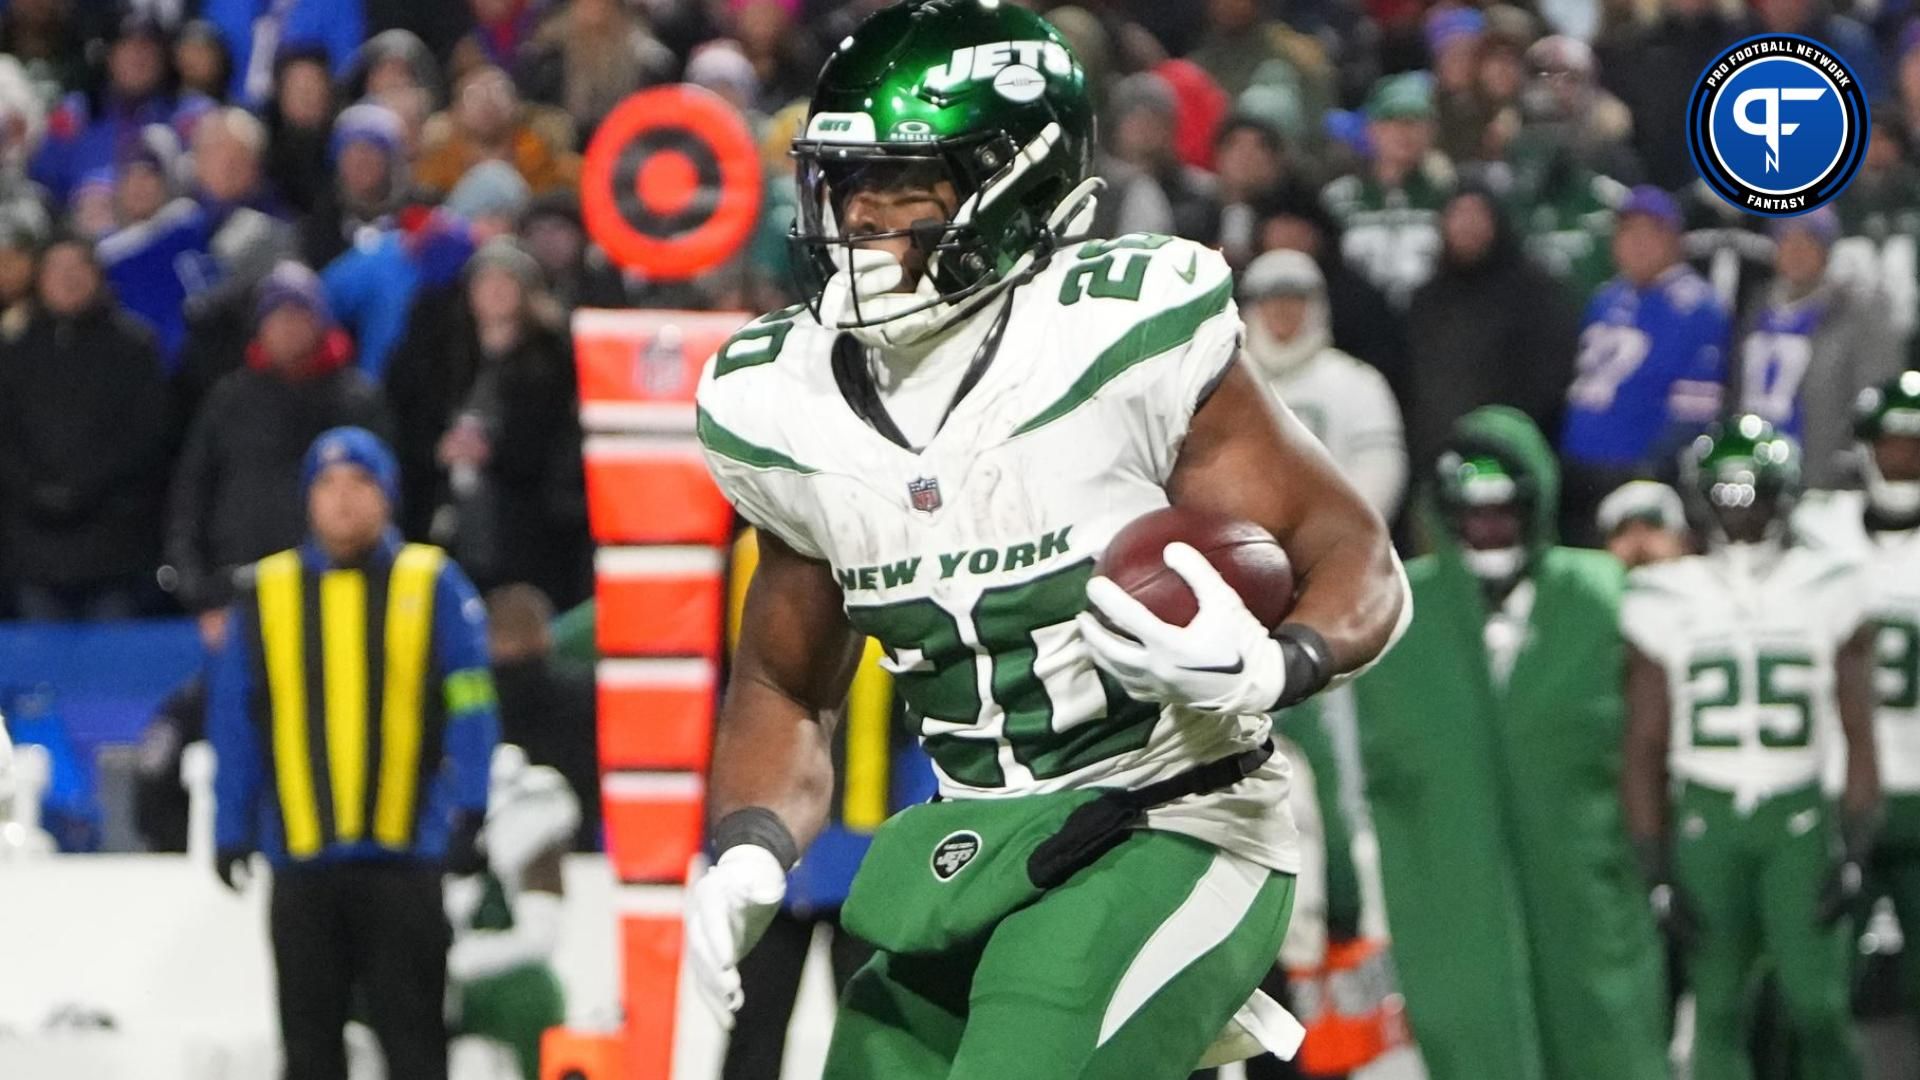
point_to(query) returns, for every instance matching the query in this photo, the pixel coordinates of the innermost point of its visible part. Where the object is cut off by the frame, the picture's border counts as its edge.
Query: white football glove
(1223, 662)
(727, 911)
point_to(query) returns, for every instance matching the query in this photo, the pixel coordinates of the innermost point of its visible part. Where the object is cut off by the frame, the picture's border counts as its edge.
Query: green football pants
(1896, 874)
(1755, 881)
(515, 1008)
(1130, 970)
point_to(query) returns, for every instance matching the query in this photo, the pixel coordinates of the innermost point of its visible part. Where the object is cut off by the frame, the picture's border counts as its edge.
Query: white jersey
(1836, 521)
(1748, 647)
(1349, 408)
(969, 559)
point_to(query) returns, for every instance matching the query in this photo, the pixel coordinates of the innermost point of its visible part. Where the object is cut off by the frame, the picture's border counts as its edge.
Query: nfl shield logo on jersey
(951, 855)
(925, 493)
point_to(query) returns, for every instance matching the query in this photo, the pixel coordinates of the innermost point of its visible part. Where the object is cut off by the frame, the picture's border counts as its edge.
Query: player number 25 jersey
(1749, 658)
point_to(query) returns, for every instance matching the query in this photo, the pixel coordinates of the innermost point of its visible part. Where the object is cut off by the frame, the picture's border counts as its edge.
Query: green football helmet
(1744, 478)
(979, 93)
(1890, 411)
(1471, 482)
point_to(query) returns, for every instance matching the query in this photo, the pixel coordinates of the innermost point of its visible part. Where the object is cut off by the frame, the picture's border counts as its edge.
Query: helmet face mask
(1486, 504)
(978, 95)
(1887, 424)
(1744, 479)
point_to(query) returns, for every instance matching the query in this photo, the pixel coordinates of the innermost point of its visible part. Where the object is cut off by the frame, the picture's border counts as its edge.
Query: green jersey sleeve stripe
(728, 445)
(1148, 338)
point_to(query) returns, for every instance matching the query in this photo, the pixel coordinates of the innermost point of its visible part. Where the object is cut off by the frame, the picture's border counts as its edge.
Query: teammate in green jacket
(1491, 742)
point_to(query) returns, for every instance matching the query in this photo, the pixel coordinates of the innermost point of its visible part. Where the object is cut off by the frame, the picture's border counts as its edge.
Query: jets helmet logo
(951, 855)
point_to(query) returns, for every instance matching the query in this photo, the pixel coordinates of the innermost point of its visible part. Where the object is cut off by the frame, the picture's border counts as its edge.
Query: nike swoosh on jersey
(1193, 267)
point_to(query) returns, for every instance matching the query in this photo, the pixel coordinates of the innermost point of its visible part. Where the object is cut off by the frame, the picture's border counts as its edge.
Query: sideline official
(354, 719)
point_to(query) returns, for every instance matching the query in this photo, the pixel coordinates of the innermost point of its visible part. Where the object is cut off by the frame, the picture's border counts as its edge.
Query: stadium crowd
(229, 225)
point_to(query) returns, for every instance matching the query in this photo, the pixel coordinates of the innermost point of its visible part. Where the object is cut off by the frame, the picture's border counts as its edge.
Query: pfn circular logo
(1777, 125)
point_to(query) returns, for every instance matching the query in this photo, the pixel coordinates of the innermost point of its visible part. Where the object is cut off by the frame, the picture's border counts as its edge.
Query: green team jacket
(1520, 929)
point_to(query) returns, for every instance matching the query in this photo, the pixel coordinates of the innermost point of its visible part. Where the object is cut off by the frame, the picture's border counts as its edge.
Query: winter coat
(1501, 331)
(534, 470)
(1543, 963)
(236, 492)
(82, 451)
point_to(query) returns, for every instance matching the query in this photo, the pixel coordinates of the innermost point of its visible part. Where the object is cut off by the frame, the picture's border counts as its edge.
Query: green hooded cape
(1520, 928)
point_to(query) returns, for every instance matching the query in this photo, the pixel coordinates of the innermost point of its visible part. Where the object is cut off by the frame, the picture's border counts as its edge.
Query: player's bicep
(795, 640)
(1247, 456)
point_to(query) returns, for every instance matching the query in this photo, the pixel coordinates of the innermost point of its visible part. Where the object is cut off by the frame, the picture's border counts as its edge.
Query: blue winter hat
(292, 283)
(369, 122)
(352, 446)
(1654, 203)
(1447, 25)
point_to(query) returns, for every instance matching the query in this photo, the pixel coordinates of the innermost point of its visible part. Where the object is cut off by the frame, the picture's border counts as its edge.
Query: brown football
(1247, 556)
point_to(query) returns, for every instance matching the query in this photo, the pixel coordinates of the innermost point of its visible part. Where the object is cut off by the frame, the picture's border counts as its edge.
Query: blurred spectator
(256, 30)
(1500, 77)
(23, 125)
(150, 174)
(1149, 189)
(1346, 404)
(1389, 212)
(720, 66)
(299, 122)
(23, 229)
(1906, 88)
(373, 285)
(1643, 522)
(1490, 328)
(439, 27)
(1652, 358)
(1199, 105)
(546, 709)
(229, 150)
(783, 54)
(236, 489)
(500, 29)
(1461, 113)
(159, 798)
(1811, 347)
(1250, 162)
(87, 129)
(202, 255)
(1880, 227)
(200, 56)
(1491, 737)
(1364, 323)
(490, 437)
(577, 272)
(45, 39)
(82, 452)
(1653, 68)
(587, 56)
(487, 122)
(393, 60)
(370, 182)
(1566, 164)
(1238, 42)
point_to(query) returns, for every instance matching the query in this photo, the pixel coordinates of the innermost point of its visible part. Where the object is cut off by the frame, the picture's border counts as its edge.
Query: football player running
(1881, 526)
(1743, 663)
(936, 446)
